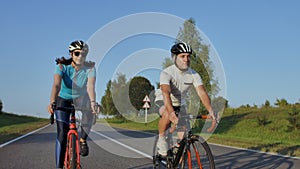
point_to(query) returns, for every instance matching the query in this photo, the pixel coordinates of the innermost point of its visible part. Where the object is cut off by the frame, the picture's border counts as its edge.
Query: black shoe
(84, 149)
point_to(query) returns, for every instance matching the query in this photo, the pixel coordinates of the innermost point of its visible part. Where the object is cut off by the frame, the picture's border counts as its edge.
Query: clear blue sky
(258, 43)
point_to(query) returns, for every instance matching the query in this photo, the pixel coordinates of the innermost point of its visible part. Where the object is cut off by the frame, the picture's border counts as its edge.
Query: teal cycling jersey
(74, 83)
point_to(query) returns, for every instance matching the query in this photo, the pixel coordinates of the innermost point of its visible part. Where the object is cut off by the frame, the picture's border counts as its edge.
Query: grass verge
(241, 128)
(12, 126)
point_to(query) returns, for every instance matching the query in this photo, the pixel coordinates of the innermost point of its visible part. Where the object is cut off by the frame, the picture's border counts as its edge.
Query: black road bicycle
(192, 151)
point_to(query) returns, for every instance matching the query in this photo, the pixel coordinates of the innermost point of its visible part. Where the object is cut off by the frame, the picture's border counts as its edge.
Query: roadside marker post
(146, 106)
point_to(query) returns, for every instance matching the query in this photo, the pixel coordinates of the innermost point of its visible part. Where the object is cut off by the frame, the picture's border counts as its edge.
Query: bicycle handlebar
(53, 106)
(189, 117)
(97, 107)
(52, 118)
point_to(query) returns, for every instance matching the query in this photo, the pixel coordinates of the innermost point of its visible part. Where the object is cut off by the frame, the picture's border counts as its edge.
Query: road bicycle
(192, 151)
(72, 155)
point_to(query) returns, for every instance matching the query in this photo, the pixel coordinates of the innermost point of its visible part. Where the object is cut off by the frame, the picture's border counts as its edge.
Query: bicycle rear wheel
(199, 153)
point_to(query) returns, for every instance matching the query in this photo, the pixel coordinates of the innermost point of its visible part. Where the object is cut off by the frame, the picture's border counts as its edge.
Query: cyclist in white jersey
(175, 82)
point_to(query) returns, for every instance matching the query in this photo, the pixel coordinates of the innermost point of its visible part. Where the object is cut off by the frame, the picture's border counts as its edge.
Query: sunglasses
(77, 54)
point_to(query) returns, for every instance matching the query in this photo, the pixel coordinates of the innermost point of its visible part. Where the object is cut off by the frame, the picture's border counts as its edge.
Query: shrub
(263, 121)
(294, 119)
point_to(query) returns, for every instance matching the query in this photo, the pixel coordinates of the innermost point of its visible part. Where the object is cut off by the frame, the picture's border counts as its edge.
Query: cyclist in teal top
(74, 84)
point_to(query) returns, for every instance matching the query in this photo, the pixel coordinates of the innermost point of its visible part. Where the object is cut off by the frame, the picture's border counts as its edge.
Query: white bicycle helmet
(78, 45)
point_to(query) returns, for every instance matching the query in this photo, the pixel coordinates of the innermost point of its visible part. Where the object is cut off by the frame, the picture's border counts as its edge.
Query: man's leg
(163, 121)
(162, 127)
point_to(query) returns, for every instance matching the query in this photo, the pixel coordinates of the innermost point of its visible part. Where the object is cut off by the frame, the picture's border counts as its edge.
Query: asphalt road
(123, 149)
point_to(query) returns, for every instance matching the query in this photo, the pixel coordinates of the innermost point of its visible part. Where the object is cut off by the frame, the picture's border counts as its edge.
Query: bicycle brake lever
(51, 118)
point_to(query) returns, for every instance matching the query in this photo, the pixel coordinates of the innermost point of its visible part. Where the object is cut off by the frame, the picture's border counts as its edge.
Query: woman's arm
(91, 92)
(54, 92)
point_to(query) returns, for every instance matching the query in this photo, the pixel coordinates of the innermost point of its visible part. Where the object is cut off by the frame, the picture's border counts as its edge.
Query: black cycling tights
(62, 121)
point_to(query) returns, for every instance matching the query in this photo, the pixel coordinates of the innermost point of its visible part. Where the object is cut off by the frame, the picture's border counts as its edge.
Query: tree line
(125, 97)
(278, 103)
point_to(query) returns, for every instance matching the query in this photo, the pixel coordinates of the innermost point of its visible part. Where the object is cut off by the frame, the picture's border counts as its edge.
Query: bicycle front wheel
(73, 152)
(198, 155)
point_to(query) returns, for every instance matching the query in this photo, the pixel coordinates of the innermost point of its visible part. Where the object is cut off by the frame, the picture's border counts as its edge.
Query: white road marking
(124, 145)
(18, 138)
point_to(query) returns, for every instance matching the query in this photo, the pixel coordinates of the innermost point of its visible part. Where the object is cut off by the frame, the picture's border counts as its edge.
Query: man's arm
(205, 100)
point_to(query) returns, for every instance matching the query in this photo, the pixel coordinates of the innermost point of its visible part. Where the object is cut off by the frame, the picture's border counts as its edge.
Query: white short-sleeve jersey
(180, 83)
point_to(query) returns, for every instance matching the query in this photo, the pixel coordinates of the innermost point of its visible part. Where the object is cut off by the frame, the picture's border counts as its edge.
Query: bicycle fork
(190, 145)
(72, 136)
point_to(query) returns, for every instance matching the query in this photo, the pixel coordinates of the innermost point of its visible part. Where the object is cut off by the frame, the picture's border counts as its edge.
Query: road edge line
(123, 145)
(256, 151)
(25, 135)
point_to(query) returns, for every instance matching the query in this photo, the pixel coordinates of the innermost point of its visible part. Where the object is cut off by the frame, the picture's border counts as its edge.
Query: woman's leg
(62, 121)
(86, 124)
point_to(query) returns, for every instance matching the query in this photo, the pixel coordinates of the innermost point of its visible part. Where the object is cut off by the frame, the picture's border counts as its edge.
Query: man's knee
(165, 115)
(162, 110)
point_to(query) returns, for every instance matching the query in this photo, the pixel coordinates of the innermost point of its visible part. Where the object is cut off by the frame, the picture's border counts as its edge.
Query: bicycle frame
(184, 146)
(70, 144)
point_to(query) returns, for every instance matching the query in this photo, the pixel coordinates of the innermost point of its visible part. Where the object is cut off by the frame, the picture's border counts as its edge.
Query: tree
(294, 119)
(139, 87)
(201, 62)
(219, 104)
(267, 104)
(281, 103)
(168, 62)
(119, 82)
(126, 97)
(107, 101)
(119, 93)
(1, 105)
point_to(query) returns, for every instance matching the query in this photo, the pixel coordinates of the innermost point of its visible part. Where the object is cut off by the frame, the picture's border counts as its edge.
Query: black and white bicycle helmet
(181, 47)
(78, 45)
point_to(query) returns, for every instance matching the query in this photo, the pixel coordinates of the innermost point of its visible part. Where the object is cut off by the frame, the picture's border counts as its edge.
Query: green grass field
(12, 126)
(241, 128)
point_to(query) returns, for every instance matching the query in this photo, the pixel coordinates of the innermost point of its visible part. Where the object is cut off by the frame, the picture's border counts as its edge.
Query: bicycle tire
(201, 155)
(73, 150)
